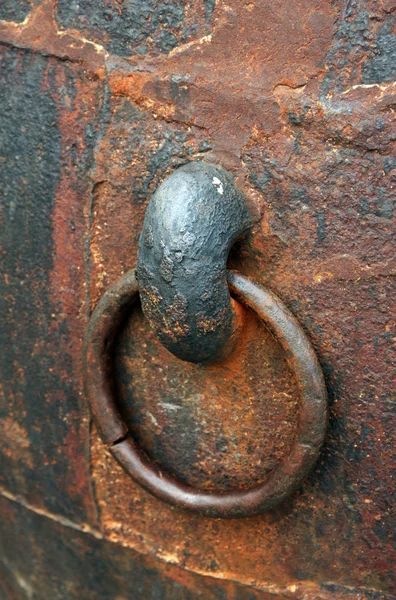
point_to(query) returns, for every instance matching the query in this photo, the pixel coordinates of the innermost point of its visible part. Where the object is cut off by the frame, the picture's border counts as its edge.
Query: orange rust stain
(70, 218)
(14, 441)
(133, 87)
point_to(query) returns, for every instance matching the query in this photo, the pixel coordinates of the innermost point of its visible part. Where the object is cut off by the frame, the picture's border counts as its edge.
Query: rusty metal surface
(137, 28)
(299, 105)
(48, 559)
(170, 404)
(46, 149)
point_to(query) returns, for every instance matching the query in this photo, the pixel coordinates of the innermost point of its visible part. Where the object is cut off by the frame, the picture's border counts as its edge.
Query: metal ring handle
(283, 480)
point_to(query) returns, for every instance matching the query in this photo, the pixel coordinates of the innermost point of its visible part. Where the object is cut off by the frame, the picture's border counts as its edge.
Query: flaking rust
(299, 104)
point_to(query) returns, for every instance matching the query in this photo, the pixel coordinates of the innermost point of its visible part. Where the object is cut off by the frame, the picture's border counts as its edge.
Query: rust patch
(235, 422)
(15, 441)
(252, 49)
(303, 113)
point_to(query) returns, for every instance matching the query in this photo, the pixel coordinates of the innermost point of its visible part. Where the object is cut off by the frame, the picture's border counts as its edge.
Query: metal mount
(191, 223)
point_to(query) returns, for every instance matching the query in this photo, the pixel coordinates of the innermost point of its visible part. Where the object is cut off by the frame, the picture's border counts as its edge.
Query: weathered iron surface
(45, 558)
(47, 129)
(15, 11)
(216, 413)
(192, 221)
(298, 103)
(137, 28)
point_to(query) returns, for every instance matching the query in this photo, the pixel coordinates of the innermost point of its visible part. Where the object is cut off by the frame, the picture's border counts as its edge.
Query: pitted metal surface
(191, 223)
(298, 105)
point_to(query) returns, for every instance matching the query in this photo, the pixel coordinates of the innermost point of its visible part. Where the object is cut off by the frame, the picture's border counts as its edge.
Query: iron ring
(284, 479)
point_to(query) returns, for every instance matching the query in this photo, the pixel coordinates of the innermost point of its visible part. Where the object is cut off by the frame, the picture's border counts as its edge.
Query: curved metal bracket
(191, 223)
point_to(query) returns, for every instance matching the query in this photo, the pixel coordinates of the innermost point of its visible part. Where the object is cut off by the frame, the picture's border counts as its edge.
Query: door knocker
(191, 301)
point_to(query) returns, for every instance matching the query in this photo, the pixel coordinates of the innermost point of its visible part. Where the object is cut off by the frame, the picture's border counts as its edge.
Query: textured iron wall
(99, 101)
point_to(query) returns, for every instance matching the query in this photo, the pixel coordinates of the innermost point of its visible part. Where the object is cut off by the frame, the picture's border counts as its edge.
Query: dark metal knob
(191, 222)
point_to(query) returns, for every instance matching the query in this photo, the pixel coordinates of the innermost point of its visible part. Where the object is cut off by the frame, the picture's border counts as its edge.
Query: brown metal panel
(296, 99)
(48, 558)
(47, 132)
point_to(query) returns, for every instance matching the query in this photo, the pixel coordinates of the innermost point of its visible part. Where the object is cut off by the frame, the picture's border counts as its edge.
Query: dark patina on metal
(191, 223)
(300, 104)
(283, 480)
